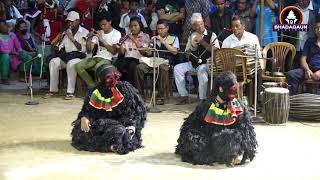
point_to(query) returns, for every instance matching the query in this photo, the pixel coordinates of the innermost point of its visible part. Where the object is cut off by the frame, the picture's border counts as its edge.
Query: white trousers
(202, 74)
(55, 65)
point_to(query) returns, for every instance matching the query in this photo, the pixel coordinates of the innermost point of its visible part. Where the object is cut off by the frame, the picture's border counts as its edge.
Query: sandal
(160, 102)
(49, 95)
(69, 97)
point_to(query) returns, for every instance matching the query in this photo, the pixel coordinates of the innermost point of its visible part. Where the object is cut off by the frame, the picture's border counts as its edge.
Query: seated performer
(164, 41)
(71, 51)
(310, 62)
(220, 129)
(128, 47)
(198, 51)
(245, 41)
(112, 116)
(105, 41)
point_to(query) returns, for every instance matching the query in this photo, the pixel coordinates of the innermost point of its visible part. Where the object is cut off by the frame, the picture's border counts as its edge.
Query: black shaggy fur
(109, 128)
(206, 143)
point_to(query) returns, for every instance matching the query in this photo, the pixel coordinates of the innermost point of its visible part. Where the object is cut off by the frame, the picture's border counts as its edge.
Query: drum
(276, 105)
(305, 107)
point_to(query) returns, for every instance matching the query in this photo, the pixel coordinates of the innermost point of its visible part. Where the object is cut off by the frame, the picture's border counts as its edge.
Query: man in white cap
(198, 51)
(72, 49)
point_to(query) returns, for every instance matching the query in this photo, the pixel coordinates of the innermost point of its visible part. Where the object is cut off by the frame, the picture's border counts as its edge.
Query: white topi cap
(196, 17)
(72, 16)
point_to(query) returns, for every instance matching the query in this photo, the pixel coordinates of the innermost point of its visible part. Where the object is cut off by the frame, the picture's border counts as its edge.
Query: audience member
(194, 6)
(174, 12)
(243, 12)
(270, 12)
(219, 20)
(125, 18)
(10, 53)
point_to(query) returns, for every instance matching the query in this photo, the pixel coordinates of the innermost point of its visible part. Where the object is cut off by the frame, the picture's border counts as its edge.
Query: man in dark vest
(198, 51)
(219, 20)
(168, 45)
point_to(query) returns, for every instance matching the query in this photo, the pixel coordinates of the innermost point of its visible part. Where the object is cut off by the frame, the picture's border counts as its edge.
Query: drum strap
(223, 114)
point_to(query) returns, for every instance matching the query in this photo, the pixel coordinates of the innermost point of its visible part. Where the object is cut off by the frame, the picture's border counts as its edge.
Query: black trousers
(127, 67)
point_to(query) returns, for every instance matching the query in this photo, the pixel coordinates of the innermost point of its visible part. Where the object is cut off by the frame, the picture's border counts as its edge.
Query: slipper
(160, 102)
(49, 94)
(69, 97)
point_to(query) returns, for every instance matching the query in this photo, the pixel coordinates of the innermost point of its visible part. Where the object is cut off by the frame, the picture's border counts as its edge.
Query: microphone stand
(31, 102)
(154, 108)
(43, 45)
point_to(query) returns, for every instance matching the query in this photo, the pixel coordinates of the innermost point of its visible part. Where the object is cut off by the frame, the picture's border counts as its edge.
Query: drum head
(270, 84)
(277, 90)
(278, 74)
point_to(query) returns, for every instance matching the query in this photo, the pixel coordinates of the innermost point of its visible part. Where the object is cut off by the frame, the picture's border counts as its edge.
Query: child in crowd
(125, 18)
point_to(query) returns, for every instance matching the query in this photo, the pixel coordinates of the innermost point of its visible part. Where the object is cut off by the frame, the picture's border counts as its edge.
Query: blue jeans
(294, 77)
(202, 74)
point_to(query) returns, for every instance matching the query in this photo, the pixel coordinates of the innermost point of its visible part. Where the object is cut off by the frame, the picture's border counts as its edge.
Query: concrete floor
(35, 144)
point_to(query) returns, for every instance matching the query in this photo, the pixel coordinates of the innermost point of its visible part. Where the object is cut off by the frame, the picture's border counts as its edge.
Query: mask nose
(233, 88)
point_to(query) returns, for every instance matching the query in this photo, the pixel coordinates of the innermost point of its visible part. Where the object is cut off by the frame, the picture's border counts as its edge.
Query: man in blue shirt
(310, 62)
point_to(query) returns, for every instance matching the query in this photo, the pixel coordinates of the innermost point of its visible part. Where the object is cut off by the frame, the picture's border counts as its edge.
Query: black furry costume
(108, 128)
(201, 142)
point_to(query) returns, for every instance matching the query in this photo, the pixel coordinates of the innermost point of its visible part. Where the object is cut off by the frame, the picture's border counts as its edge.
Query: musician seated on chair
(198, 51)
(310, 62)
(163, 61)
(128, 47)
(106, 40)
(241, 39)
(71, 50)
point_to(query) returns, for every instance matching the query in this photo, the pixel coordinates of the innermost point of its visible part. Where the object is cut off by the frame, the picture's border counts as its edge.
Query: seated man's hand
(188, 53)
(316, 76)
(85, 124)
(131, 130)
(308, 74)
(14, 53)
(32, 54)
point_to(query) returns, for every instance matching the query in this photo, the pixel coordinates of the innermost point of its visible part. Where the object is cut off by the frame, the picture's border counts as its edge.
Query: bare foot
(112, 148)
(236, 160)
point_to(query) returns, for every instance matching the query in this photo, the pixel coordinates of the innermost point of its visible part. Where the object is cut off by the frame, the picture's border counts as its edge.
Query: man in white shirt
(243, 39)
(72, 41)
(106, 40)
(202, 50)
